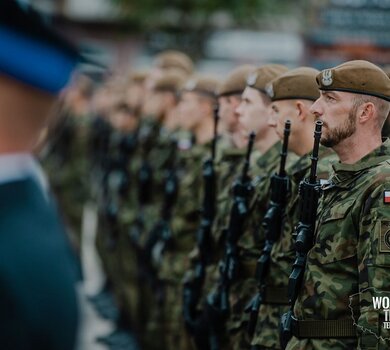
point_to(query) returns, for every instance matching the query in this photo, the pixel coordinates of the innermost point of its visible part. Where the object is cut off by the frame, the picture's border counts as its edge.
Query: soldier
(139, 277)
(196, 110)
(229, 97)
(135, 91)
(253, 117)
(67, 149)
(347, 260)
(292, 95)
(386, 126)
(38, 299)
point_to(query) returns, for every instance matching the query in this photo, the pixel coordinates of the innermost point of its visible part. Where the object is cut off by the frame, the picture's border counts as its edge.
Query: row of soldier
(196, 183)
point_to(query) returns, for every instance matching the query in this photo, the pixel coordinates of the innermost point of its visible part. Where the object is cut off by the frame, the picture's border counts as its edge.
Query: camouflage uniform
(135, 222)
(68, 152)
(175, 261)
(283, 254)
(250, 245)
(349, 262)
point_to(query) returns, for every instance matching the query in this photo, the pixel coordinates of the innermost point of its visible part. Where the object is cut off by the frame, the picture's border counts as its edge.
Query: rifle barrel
(314, 156)
(283, 153)
(251, 141)
(216, 120)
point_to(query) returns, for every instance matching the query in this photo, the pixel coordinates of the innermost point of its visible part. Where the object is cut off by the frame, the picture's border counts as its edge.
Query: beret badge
(269, 89)
(327, 78)
(190, 85)
(251, 80)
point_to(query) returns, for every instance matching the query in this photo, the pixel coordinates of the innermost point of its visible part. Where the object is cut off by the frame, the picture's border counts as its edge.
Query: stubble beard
(336, 135)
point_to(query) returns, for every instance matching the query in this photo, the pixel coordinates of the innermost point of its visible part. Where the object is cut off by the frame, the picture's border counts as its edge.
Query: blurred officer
(292, 95)
(349, 262)
(38, 303)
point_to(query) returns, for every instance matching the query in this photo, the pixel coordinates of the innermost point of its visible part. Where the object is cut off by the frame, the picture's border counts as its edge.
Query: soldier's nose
(316, 109)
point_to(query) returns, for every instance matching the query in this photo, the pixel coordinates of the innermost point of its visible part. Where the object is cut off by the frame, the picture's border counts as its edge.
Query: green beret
(235, 82)
(174, 60)
(170, 81)
(260, 77)
(203, 85)
(299, 83)
(360, 77)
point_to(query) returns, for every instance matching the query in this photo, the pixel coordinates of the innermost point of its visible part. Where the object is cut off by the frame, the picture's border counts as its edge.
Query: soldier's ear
(365, 112)
(170, 99)
(301, 109)
(206, 105)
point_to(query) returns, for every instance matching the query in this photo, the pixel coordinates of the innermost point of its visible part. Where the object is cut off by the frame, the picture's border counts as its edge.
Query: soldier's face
(336, 110)
(134, 95)
(253, 113)
(279, 113)
(154, 106)
(190, 113)
(227, 112)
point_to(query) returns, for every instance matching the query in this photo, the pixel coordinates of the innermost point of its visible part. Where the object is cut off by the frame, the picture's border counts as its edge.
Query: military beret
(260, 77)
(299, 83)
(387, 70)
(137, 77)
(202, 85)
(31, 51)
(235, 82)
(360, 77)
(174, 59)
(170, 81)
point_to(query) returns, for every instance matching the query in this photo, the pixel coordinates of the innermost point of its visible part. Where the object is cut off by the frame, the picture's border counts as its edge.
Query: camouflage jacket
(231, 160)
(349, 263)
(283, 252)
(249, 245)
(185, 214)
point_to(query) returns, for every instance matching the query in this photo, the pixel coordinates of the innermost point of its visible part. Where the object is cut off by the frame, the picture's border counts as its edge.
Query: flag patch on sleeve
(386, 197)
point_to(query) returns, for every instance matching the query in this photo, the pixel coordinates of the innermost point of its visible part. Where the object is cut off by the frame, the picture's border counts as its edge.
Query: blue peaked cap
(31, 51)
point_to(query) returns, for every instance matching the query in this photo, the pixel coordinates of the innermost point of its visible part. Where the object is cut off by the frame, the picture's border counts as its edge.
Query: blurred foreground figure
(38, 308)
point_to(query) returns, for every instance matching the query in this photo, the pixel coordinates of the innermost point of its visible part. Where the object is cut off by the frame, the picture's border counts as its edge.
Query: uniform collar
(20, 166)
(344, 173)
(269, 156)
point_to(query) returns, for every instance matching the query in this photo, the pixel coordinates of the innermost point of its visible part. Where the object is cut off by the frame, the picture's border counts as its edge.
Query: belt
(344, 328)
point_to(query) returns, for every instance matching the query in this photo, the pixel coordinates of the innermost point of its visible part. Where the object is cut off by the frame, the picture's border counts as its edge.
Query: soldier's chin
(327, 142)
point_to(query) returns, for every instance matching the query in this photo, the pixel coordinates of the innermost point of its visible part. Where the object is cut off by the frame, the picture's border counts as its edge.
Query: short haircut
(382, 107)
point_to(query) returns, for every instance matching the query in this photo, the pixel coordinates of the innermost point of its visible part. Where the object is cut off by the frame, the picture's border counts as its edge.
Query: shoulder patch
(384, 246)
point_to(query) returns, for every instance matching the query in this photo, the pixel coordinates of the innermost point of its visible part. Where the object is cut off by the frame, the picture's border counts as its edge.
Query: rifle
(273, 227)
(192, 290)
(309, 194)
(217, 305)
(144, 194)
(161, 236)
(116, 182)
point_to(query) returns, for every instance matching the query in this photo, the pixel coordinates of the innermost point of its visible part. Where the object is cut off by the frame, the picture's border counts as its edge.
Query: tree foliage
(197, 12)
